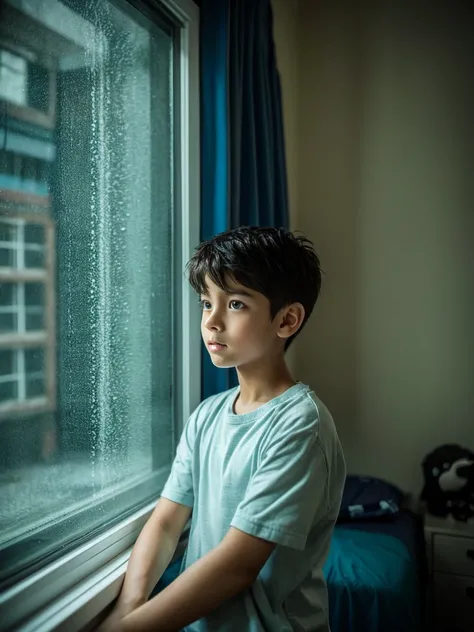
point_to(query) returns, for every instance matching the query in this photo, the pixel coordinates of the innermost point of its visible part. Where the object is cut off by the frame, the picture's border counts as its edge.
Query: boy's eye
(235, 305)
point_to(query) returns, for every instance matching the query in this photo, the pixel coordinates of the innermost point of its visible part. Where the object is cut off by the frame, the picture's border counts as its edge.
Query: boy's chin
(221, 363)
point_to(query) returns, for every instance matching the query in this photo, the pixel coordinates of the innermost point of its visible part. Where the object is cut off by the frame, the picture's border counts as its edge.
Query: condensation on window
(95, 291)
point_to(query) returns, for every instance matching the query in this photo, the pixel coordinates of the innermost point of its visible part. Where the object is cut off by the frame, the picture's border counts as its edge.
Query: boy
(260, 466)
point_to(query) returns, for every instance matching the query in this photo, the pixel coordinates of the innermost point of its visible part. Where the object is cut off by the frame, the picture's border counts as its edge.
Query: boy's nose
(214, 322)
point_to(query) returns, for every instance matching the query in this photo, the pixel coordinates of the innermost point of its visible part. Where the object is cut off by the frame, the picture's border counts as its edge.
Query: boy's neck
(259, 384)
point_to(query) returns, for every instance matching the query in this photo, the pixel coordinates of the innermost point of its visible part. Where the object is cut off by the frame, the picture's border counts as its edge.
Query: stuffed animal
(449, 482)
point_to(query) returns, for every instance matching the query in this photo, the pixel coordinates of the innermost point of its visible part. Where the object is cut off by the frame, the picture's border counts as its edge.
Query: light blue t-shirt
(276, 473)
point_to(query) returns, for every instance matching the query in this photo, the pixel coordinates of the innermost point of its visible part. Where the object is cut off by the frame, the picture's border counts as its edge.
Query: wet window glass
(86, 287)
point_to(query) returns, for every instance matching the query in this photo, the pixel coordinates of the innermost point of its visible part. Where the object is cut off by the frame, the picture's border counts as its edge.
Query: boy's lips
(216, 342)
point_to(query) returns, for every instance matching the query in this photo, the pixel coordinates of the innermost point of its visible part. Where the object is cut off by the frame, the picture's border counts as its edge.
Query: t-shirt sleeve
(179, 486)
(287, 491)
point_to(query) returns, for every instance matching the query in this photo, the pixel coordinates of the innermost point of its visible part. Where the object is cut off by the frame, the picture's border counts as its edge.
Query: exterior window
(89, 161)
(13, 77)
(26, 317)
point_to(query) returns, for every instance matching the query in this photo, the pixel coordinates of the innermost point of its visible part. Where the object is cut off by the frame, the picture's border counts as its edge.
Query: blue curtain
(214, 38)
(243, 167)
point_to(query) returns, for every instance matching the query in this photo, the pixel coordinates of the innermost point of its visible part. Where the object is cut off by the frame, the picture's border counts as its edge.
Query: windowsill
(83, 607)
(98, 603)
(71, 591)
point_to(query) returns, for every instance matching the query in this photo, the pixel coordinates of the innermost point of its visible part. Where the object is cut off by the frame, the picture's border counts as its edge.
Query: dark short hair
(273, 261)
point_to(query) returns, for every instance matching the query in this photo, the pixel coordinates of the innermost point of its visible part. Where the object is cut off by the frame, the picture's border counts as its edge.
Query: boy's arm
(224, 572)
(152, 553)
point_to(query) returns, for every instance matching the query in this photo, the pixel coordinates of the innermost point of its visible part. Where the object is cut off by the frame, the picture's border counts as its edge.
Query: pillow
(367, 497)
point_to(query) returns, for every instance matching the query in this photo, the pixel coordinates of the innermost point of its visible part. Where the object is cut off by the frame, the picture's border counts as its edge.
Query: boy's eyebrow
(241, 292)
(235, 292)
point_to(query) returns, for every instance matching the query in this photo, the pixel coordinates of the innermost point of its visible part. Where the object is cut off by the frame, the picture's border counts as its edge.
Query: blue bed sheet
(373, 576)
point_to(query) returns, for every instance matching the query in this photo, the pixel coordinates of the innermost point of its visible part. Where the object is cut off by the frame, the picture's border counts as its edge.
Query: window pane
(8, 391)
(34, 234)
(7, 257)
(13, 73)
(34, 294)
(34, 258)
(34, 360)
(35, 387)
(7, 362)
(8, 323)
(34, 321)
(7, 231)
(8, 294)
(105, 444)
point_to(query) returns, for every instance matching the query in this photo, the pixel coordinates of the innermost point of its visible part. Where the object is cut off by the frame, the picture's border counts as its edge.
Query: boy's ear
(291, 318)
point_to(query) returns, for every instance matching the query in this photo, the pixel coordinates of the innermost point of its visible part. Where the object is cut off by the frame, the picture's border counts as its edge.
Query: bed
(376, 565)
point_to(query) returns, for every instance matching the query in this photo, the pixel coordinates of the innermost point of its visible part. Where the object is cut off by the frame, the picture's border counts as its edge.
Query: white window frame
(72, 592)
(22, 339)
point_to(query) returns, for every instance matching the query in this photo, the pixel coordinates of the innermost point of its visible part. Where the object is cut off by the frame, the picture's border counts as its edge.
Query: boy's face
(236, 328)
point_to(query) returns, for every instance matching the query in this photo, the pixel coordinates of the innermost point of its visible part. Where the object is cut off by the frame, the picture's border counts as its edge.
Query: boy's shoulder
(304, 412)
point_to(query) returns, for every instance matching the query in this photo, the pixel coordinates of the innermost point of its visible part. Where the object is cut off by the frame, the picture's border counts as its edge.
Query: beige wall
(286, 32)
(379, 146)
